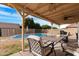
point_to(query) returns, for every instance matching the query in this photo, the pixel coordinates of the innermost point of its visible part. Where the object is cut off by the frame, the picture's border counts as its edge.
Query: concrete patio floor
(27, 53)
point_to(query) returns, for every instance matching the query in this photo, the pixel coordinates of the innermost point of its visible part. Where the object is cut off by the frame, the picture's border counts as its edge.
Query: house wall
(9, 29)
(9, 32)
(72, 31)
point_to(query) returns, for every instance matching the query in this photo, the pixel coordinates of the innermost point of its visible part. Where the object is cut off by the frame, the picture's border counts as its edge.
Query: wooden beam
(37, 14)
(32, 12)
(29, 11)
(62, 9)
(40, 6)
(51, 12)
(69, 12)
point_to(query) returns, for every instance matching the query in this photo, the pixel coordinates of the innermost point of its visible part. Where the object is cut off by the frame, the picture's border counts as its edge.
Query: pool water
(40, 34)
(26, 35)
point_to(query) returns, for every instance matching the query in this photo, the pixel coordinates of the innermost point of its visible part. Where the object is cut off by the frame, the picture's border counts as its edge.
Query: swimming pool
(26, 35)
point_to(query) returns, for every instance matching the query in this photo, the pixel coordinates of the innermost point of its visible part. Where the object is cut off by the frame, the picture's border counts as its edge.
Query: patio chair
(66, 49)
(38, 48)
(69, 48)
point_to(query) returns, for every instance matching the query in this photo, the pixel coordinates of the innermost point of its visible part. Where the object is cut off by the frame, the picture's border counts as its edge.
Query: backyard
(10, 46)
(37, 24)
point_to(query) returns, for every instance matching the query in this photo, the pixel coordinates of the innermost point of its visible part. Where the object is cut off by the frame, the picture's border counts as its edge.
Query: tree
(31, 24)
(46, 27)
(37, 26)
(55, 28)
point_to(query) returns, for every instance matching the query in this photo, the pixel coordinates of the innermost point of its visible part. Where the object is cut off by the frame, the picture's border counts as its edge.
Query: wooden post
(78, 32)
(23, 17)
(23, 32)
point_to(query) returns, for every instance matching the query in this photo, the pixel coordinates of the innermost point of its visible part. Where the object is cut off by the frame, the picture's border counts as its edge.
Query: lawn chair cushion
(34, 37)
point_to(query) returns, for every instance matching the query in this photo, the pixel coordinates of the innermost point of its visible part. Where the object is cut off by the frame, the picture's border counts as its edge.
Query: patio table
(52, 39)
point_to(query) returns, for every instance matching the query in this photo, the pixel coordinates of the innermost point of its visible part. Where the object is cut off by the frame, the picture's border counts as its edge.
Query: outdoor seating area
(47, 42)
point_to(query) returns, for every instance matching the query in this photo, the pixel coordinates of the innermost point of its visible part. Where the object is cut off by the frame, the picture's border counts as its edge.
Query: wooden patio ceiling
(54, 12)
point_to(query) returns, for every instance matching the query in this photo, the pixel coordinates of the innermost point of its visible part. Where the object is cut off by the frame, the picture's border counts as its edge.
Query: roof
(60, 13)
(74, 25)
(9, 25)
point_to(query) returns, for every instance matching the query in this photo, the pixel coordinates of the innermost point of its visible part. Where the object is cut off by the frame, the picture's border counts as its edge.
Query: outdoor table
(53, 40)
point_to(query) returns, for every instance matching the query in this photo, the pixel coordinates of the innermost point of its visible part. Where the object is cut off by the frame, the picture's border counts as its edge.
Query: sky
(64, 26)
(9, 15)
(40, 21)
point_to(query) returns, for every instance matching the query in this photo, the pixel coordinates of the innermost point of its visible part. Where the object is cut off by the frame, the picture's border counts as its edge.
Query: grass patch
(10, 47)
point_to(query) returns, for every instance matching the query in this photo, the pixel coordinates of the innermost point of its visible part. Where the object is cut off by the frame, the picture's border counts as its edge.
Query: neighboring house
(9, 29)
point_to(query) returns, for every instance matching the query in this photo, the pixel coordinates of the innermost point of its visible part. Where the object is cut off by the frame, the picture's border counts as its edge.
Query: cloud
(10, 19)
(9, 14)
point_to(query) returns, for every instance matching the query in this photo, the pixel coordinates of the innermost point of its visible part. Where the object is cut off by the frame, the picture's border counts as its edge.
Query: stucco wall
(72, 31)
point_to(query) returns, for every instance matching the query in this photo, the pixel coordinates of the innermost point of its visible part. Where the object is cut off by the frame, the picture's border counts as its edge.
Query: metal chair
(67, 49)
(38, 48)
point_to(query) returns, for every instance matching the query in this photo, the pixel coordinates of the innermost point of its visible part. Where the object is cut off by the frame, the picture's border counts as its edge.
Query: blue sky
(10, 15)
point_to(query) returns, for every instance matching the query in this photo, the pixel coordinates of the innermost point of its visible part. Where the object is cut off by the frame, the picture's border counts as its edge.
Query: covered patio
(59, 13)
